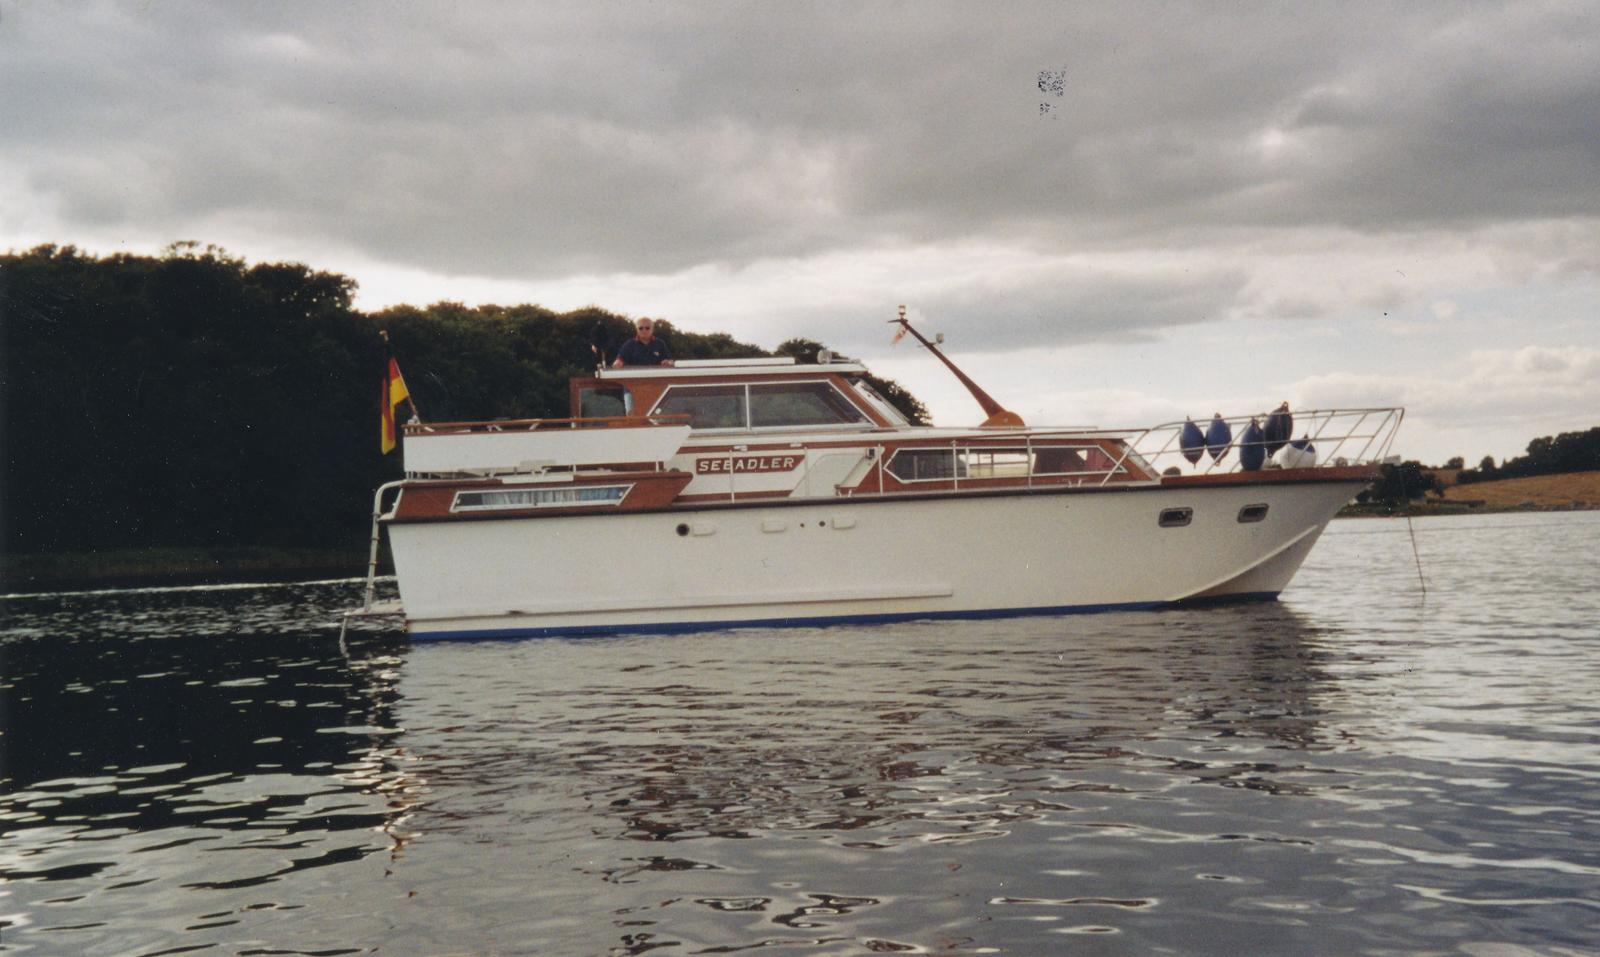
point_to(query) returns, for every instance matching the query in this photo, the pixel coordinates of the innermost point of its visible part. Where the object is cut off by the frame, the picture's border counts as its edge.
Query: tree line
(1549, 455)
(193, 399)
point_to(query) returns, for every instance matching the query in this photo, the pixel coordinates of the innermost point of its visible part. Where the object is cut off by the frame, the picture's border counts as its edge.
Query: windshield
(766, 405)
(878, 402)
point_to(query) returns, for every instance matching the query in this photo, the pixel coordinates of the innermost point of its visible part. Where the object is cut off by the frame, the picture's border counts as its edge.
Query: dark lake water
(1355, 769)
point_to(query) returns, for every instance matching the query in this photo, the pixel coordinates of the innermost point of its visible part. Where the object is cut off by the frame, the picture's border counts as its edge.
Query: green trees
(1567, 452)
(187, 399)
(1399, 485)
(463, 363)
(191, 399)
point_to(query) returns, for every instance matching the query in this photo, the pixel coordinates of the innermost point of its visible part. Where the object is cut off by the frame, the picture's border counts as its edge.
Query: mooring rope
(1415, 555)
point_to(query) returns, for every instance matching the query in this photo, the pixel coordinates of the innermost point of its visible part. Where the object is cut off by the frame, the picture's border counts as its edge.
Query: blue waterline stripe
(680, 627)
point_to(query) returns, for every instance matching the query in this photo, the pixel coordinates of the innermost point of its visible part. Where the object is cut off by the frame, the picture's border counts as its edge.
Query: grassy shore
(131, 568)
(1540, 493)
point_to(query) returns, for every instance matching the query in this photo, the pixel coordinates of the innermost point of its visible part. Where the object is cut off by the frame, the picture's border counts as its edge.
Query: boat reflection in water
(724, 787)
(842, 741)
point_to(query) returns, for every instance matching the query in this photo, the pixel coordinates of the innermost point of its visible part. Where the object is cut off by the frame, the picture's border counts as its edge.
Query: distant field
(1540, 491)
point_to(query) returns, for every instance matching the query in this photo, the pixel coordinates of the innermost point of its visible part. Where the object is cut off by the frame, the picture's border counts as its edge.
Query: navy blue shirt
(636, 353)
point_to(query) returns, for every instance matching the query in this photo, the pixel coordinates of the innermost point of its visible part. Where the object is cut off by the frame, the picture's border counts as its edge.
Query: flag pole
(388, 350)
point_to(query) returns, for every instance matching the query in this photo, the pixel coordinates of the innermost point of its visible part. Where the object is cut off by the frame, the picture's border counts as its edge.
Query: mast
(997, 414)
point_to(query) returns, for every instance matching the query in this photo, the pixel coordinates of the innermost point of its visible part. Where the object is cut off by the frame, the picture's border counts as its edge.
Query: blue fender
(1252, 448)
(1191, 442)
(1218, 437)
(1280, 425)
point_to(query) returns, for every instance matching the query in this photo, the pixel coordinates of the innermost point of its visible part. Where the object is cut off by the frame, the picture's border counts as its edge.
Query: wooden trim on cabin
(700, 498)
(788, 442)
(646, 395)
(431, 501)
(1354, 476)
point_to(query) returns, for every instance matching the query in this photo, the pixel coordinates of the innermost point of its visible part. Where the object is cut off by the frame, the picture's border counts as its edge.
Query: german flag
(394, 393)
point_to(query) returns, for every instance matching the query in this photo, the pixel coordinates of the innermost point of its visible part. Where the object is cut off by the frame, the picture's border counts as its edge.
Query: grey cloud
(516, 141)
(1066, 307)
(1080, 309)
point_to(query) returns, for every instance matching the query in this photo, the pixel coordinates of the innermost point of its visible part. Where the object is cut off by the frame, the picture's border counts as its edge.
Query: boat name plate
(746, 463)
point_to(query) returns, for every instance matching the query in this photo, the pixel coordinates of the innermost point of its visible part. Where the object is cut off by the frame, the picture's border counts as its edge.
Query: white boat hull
(855, 559)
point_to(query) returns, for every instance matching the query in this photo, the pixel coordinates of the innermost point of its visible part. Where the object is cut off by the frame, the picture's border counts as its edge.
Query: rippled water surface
(1353, 769)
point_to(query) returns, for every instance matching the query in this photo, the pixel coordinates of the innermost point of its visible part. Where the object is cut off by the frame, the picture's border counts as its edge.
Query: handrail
(1363, 435)
(658, 420)
(1340, 436)
(1335, 433)
(372, 552)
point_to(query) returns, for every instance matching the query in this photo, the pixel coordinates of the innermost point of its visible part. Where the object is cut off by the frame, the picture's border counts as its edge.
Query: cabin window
(998, 462)
(920, 465)
(1252, 513)
(1176, 517)
(800, 403)
(565, 495)
(602, 403)
(707, 406)
(1073, 460)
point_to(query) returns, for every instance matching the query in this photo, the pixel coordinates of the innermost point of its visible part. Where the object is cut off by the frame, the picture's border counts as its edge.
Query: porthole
(1176, 517)
(683, 529)
(1252, 513)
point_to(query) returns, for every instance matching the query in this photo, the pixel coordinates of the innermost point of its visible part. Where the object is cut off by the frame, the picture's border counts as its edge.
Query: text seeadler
(746, 463)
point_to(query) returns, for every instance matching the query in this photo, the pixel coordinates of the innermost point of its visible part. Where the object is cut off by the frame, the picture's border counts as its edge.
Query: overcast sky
(1117, 214)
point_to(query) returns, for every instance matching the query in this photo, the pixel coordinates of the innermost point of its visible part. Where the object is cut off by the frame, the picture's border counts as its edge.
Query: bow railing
(1318, 438)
